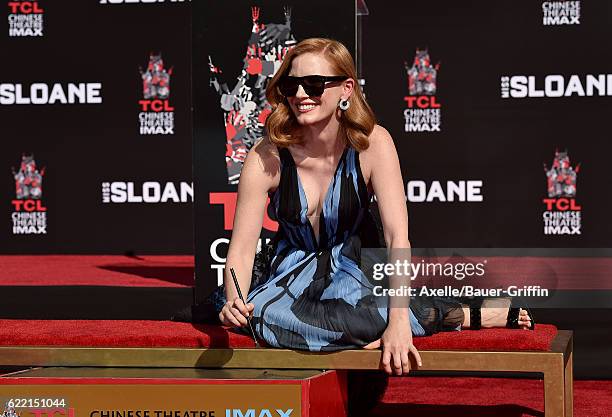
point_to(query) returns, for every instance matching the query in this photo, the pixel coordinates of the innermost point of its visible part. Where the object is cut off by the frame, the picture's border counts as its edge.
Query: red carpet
(483, 397)
(144, 333)
(118, 333)
(490, 339)
(107, 270)
(405, 396)
(173, 271)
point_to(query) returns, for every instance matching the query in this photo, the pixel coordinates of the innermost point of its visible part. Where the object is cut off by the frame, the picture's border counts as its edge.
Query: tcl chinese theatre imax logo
(29, 213)
(156, 115)
(25, 19)
(423, 111)
(562, 215)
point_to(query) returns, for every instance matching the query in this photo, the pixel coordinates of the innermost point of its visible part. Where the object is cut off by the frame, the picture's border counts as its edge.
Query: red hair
(356, 123)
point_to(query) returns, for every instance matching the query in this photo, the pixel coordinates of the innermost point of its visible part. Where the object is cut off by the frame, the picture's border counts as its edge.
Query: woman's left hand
(397, 344)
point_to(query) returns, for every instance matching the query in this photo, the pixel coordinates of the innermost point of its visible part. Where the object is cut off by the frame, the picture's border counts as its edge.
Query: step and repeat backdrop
(500, 115)
(96, 142)
(119, 115)
(499, 112)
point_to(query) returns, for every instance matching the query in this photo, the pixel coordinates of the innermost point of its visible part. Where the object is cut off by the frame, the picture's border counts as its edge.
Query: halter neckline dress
(315, 296)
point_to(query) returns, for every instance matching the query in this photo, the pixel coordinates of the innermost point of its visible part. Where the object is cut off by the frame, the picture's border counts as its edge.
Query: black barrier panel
(229, 77)
(499, 112)
(96, 139)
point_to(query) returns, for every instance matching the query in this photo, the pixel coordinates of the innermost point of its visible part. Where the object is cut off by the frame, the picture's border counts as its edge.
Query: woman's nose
(301, 92)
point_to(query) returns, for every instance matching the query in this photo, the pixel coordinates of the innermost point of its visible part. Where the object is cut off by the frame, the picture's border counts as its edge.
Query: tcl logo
(422, 102)
(28, 205)
(561, 204)
(155, 105)
(24, 7)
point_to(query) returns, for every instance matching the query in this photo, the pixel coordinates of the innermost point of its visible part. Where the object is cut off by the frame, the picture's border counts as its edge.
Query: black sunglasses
(314, 85)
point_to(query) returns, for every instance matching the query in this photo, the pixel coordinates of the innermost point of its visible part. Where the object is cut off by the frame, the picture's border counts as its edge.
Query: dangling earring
(344, 104)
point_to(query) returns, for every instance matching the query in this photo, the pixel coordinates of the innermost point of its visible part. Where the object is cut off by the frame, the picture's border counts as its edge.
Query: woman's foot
(494, 313)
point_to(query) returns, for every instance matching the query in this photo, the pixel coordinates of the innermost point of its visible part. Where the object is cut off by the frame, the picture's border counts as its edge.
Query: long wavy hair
(356, 123)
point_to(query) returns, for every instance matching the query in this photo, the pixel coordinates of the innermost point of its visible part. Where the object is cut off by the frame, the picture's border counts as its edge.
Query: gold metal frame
(556, 364)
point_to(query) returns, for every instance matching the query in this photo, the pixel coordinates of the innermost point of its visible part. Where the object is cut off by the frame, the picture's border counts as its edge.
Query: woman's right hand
(235, 313)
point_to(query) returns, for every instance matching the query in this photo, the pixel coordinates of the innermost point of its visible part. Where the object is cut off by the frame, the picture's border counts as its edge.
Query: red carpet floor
(107, 270)
(172, 271)
(483, 397)
(408, 396)
(145, 333)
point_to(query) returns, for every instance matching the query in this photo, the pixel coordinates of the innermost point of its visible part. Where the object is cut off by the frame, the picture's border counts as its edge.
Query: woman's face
(313, 109)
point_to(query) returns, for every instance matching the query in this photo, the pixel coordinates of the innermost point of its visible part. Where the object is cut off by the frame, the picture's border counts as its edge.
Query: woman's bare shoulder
(380, 143)
(265, 148)
(263, 161)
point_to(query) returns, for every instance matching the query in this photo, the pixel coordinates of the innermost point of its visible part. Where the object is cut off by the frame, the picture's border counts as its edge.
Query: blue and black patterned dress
(314, 296)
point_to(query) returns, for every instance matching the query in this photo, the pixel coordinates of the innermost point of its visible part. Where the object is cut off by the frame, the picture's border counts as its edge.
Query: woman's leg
(430, 315)
(415, 326)
(494, 312)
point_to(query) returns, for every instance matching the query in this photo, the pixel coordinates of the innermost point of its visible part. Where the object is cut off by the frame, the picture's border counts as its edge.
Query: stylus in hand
(244, 302)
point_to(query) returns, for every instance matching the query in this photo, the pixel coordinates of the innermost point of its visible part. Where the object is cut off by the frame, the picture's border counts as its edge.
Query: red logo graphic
(244, 105)
(30, 215)
(155, 85)
(24, 7)
(422, 111)
(563, 214)
(28, 180)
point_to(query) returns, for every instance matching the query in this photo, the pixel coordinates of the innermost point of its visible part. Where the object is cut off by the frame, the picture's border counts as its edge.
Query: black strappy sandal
(511, 319)
(475, 318)
(513, 315)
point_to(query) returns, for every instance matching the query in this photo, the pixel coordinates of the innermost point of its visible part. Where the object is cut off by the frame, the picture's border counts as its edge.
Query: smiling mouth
(303, 108)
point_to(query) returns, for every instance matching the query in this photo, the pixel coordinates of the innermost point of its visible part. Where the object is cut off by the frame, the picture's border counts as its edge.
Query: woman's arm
(388, 185)
(258, 176)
